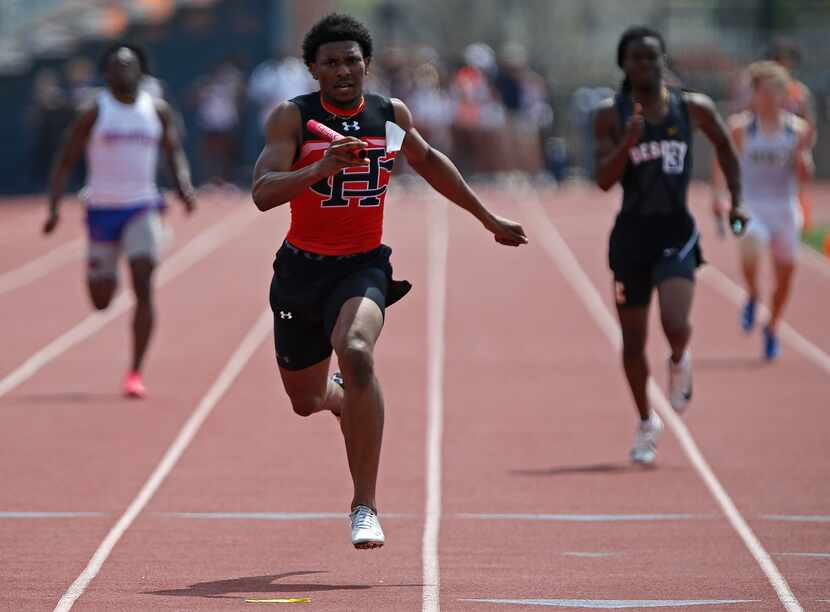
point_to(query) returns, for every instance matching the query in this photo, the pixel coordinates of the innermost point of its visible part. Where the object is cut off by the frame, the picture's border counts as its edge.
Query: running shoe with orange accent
(134, 386)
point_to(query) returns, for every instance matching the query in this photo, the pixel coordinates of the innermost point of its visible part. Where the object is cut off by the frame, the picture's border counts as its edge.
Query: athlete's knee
(100, 294)
(307, 405)
(357, 362)
(142, 272)
(676, 328)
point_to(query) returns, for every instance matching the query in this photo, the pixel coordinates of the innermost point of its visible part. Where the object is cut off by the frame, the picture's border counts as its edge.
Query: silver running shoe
(366, 531)
(680, 383)
(644, 450)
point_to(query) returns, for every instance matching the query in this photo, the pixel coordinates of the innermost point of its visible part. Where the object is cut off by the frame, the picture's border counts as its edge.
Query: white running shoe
(644, 449)
(366, 531)
(680, 383)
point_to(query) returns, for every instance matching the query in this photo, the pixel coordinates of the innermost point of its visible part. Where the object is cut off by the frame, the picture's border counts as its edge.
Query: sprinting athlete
(333, 279)
(121, 131)
(798, 101)
(644, 142)
(774, 149)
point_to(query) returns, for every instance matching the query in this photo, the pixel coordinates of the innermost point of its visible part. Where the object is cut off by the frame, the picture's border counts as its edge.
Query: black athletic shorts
(641, 262)
(308, 290)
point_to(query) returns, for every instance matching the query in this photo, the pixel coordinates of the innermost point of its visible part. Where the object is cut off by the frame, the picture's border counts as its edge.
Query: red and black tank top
(343, 214)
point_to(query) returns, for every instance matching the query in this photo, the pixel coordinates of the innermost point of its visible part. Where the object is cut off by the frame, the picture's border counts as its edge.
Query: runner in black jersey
(644, 142)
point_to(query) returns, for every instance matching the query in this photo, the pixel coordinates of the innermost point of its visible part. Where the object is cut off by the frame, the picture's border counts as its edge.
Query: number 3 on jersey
(365, 186)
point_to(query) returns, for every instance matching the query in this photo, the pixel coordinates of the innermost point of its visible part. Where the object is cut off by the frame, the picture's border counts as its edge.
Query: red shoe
(134, 386)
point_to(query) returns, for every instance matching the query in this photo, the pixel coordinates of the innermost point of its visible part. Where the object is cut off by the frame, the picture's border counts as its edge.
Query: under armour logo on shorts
(354, 125)
(286, 315)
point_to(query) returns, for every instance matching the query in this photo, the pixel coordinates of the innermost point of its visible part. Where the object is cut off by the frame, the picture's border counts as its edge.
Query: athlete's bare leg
(634, 325)
(354, 336)
(749, 267)
(311, 390)
(676, 296)
(141, 269)
(783, 283)
(101, 291)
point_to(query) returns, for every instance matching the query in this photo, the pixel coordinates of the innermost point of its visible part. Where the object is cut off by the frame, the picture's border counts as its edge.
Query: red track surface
(537, 421)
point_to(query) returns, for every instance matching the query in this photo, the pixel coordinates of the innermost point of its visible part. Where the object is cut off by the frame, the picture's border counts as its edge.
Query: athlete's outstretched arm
(705, 116)
(612, 144)
(175, 156)
(445, 178)
(737, 124)
(76, 139)
(274, 181)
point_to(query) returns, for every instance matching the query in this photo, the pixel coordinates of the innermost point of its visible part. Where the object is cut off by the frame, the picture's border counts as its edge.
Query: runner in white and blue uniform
(121, 132)
(644, 142)
(774, 151)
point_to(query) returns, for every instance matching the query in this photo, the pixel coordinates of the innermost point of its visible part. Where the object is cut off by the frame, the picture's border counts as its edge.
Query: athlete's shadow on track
(596, 468)
(225, 589)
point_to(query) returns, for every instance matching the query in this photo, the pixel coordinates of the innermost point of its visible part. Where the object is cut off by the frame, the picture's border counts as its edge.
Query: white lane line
(182, 260)
(41, 266)
(276, 516)
(563, 257)
(39, 515)
(613, 604)
(733, 292)
(816, 261)
(584, 518)
(437, 244)
(252, 340)
(798, 518)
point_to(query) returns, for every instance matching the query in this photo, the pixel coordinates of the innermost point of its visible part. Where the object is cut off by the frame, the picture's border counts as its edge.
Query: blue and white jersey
(122, 153)
(768, 175)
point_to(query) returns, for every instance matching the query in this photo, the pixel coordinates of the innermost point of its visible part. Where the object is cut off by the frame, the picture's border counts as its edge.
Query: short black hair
(633, 34)
(140, 53)
(336, 27)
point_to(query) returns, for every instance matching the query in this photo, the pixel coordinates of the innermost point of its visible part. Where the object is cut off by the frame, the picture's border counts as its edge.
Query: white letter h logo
(354, 125)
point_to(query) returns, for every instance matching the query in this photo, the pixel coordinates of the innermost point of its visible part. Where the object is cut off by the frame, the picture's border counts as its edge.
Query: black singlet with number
(654, 214)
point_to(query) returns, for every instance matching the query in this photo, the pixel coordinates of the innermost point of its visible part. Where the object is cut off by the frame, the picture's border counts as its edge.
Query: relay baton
(325, 132)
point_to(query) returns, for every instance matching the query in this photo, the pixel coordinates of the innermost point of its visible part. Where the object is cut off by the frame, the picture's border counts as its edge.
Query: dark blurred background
(502, 85)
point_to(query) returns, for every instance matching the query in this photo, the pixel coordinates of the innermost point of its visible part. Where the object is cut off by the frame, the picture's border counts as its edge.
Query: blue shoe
(748, 316)
(772, 347)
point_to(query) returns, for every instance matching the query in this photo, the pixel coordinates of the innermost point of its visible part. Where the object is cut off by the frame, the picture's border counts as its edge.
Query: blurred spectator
(524, 95)
(81, 80)
(431, 107)
(393, 71)
(275, 81)
(49, 115)
(479, 116)
(583, 103)
(218, 120)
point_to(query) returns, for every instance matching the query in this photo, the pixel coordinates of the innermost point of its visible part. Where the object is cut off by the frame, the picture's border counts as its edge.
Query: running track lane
(255, 456)
(21, 238)
(33, 314)
(763, 428)
(72, 444)
(538, 426)
(230, 468)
